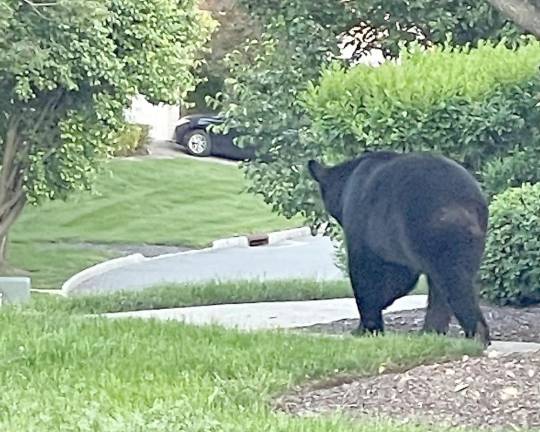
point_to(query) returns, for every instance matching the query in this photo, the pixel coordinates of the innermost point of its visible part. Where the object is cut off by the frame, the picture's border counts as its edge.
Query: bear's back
(408, 181)
(403, 195)
(408, 207)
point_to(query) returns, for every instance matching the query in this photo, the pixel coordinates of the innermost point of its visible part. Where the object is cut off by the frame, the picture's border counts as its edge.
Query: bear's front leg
(371, 319)
(372, 325)
(376, 285)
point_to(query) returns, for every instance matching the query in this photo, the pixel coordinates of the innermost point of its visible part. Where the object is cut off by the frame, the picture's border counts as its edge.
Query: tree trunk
(525, 13)
(12, 195)
(3, 250)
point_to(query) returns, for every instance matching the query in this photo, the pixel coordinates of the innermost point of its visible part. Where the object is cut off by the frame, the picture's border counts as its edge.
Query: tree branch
(36, 5)
(7, 221)
(523, 12)
(5, 207)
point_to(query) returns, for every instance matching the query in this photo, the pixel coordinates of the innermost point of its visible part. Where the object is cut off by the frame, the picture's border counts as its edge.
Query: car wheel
(198, 143)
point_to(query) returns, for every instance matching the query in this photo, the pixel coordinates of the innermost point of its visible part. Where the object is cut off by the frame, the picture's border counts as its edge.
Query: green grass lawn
(180, 202)
(63, 372)
(177, 201)
(49, 264)
(198, 295)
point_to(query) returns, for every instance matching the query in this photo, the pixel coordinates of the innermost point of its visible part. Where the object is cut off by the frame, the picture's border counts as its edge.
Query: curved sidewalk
(270, 315)
(287, 315)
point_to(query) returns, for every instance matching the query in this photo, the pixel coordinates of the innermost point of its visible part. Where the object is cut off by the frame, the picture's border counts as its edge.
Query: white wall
(161, 118)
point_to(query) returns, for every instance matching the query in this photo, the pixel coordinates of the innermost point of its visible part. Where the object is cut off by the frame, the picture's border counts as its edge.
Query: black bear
(403, 215)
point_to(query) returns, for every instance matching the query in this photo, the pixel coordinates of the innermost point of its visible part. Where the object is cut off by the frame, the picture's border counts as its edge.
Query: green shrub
(520, 166)
(131, 140)
(469, 104)
(511, 269)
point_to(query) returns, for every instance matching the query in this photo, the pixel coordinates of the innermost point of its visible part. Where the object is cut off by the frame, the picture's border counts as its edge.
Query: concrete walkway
(301, 258)
(270, 315)
(284, 315)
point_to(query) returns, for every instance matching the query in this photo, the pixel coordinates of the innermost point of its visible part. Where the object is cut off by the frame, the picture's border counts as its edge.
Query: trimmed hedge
(511, 268)
(469, 104)
(519, 167)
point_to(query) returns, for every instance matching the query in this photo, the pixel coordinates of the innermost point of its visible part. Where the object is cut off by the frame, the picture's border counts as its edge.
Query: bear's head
(332, 181)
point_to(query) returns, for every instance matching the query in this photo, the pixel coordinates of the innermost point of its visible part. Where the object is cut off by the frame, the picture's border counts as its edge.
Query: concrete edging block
(14, 289)
(273, 237)
(241, 241)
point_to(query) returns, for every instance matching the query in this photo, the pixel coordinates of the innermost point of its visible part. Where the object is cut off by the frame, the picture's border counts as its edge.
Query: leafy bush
(131, 140)
(469, 104)
(511, 269)
(520, 166)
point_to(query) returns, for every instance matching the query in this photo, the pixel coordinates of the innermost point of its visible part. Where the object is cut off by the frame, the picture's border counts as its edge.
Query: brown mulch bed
(505, 323)
(497, 392)
(494, 393)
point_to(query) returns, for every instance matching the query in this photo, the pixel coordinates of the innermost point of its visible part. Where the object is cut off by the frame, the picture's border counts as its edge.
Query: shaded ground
(489, 393)
(506, 323)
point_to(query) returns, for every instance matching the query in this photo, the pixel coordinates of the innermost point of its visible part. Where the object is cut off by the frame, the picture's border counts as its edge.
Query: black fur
(404, 215)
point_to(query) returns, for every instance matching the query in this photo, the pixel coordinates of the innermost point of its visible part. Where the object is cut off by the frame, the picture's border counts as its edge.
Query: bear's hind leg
(438, 312)
(463, 301)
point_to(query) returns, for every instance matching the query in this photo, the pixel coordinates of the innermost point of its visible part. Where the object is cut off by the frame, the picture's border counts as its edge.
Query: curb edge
(99, 268)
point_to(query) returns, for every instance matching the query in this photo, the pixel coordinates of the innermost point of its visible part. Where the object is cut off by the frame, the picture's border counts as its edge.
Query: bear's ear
(317, 170)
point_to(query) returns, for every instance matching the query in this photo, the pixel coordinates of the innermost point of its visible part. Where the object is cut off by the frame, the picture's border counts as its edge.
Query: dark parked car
(192, 133)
